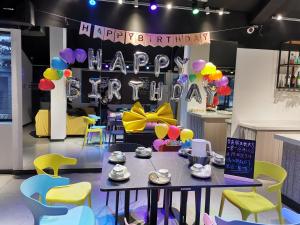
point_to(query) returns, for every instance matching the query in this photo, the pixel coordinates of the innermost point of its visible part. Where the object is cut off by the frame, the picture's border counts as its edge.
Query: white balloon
(139, 59)
(136, 85)
(160, 62)
(114, 87)
(95, 83)
(95, 60)
(156, 91)
(176, 92)
(118, 62)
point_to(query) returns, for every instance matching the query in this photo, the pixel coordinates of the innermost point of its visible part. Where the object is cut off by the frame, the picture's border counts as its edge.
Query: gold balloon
(51, 74)
(186, 134)
(161, 130)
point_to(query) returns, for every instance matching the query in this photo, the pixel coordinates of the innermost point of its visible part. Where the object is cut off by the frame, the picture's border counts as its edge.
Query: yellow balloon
(51, 74)
(161, 130)
(209, 68)
(199, 76)
(186, 134)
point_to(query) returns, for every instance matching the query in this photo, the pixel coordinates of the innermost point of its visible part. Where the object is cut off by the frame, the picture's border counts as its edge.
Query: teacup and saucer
(117, 157)
(218, 159)
(143, 152)
(198, 170)
(162, 176)
(119, 173)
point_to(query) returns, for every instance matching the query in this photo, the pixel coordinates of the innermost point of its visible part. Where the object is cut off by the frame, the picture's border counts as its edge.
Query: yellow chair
(252, 202)
(75, 194)
(90, 129)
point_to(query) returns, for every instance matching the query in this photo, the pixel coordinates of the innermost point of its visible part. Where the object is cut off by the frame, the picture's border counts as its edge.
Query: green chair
(252, 202)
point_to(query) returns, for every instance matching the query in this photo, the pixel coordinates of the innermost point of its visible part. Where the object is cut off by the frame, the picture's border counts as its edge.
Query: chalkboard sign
(240, 159)
(126, 90)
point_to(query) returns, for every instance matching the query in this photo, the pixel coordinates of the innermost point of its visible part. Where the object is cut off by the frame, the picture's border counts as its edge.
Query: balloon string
(79, 21)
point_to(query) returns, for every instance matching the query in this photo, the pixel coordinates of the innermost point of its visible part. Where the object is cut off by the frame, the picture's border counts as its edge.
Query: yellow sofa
(75, 124)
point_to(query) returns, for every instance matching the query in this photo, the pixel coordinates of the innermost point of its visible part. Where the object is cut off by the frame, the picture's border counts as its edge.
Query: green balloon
(192, 77)
(60, 73)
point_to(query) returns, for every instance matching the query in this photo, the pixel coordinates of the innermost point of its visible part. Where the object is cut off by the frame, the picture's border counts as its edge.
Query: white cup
(199, 147)
(197, 167)
(163, 173)
(118, 171)
(118, 154)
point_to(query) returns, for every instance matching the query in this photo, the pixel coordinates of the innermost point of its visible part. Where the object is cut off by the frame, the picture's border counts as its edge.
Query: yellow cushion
(70, 194)
(249, 201)
(75, 125)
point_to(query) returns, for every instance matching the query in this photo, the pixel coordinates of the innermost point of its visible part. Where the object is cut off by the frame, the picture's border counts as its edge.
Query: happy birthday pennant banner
(144, 39)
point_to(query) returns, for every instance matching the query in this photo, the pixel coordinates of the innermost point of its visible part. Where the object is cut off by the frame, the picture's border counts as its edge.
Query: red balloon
(173, 132)
(216, 101)
(46, 85)
(224, 90)
(67, 73)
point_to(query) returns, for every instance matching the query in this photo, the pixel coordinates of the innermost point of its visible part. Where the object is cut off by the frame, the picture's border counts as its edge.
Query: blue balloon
(187, 144)
(58, 64)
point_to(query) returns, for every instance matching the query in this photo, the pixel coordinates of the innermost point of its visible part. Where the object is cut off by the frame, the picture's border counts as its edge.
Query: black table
(144, 138)
(181, 181)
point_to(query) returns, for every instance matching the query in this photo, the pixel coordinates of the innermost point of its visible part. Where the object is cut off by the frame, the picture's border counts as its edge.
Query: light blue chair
(52, 215)
(96, 118)
(290, 216)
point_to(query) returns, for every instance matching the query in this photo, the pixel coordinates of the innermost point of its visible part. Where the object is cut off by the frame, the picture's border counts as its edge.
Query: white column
(58, 41)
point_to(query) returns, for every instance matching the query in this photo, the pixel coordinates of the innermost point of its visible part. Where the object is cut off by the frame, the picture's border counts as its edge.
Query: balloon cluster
(213, 80)
(173, 132)
(59, 67)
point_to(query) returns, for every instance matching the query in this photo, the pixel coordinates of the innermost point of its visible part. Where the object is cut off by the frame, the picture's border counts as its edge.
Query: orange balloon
(218, 75)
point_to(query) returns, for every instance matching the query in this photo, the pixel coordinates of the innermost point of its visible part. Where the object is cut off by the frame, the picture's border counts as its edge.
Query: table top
(181, 178)
(271, 125)
(293, 139)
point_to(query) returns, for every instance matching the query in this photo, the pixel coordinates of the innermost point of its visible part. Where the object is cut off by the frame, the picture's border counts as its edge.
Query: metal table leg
(167, 206)
(198, 206)
(117, 208)
(183, 203)
(153, 206)
(207, 200)
(126, 206)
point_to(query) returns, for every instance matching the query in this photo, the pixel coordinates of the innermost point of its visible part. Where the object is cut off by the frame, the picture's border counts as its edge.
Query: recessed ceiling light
(127, 67)
(195, 9)
(92, 2)
(169, 6)
(221, 11)
(8, 9)
(136, 3)
(120, 1)
(147, 67)
(279, 17)
(207, 10)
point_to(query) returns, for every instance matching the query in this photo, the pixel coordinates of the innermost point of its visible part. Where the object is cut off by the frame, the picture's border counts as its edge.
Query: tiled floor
(14, 212)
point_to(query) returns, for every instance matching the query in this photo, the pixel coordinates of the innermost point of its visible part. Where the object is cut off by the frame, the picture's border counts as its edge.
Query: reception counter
(291, 162)
(210, 126)
(267, 148)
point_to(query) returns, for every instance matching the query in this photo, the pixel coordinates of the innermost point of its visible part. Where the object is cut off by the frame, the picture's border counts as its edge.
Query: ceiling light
(127, 67)
(147, 67)
(207, 11)
(8, 9)
(279, 17)
(221, 11)
(92, 2)
(195, 9)
(136, 3)
(169, 6)
(120, 1)
(153, 5)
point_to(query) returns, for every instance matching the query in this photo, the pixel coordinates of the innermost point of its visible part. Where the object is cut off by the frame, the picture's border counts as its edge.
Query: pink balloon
(198, 65)
(157, 143)
(223, 81)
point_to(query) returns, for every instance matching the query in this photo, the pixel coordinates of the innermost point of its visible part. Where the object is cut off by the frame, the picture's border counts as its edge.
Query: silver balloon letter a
(194, 92)
(118, 62)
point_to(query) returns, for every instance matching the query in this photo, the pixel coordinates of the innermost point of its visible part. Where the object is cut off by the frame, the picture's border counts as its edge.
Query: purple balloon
(184, 78)
(80, 55)
(198, 65)
(222, 82)
(67, 55)
(157, 143)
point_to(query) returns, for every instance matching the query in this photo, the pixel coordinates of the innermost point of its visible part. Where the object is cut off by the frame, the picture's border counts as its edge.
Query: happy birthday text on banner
(144, 39)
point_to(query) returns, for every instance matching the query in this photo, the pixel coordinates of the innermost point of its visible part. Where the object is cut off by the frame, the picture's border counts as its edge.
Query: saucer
(217, 163)
(125, 177)
(203, 173)
(143, 155)
(154, 178)
(184, 153)
(116, 160)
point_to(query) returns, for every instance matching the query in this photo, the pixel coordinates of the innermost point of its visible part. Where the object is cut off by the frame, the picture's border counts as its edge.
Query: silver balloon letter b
(72, 88)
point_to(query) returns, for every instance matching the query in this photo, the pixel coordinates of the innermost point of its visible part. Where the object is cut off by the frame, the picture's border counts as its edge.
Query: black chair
(115, 128)
(123, 147)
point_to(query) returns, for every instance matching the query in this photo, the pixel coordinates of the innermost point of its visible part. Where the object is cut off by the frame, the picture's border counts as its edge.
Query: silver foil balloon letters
(180, 63)
(72, 88)
(118, 62)
(136, 85)
(194, 92)
(176, 92)
(95, 83)
(160, 62)
(95, 60)
(156, 92)
(211, 90)
(114, 87)
(139, 59)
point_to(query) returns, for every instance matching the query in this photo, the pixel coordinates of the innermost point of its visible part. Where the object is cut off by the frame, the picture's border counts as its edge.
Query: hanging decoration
(156, 92)
(114, 87)
(180, 63)
(176, 92)
(136, 85)
(118, 62)
(139, 59)
(72, 88)
(160, 62)
(194, 92)
(144, 39)
(95, 82)
(95, 60)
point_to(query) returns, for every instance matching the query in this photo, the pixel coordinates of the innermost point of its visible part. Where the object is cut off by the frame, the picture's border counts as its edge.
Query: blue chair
(52, 215)
(291, 216)
(96, 118)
